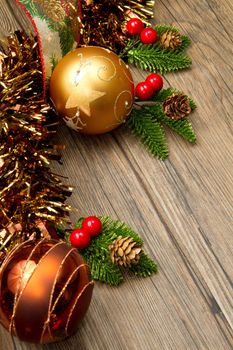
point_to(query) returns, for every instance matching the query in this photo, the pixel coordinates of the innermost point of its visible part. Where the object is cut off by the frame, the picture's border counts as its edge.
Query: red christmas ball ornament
(144, 91)
(93, 225)
(45, 291)
(134, 26)
(156, 81)
(19, 275)
(148, 36)
(80, 238)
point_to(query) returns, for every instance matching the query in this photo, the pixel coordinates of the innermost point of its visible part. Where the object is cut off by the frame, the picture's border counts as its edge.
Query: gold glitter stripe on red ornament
(46, 323)
(91, 283)
(18, 292)
(36, 295)
(17, 301)
(60, 295)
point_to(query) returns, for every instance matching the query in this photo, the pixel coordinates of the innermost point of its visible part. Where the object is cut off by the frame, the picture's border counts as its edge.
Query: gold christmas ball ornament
(45, 291)
(92, 89)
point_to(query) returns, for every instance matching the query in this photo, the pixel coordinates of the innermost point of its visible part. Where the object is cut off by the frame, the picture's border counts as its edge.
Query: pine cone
(52, 9)
(170, 39)
(125, 251)
(177, 106)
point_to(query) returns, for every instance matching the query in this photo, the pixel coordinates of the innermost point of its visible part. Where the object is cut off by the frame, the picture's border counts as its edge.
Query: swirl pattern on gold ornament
(126, 72)
(127, 101)
(92, 89)
(106, 68)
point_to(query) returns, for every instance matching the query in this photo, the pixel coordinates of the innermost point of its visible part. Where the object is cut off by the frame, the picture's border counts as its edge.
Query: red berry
(144, 91)
(134, 26)
(93, 225)
(156, 81)
(80, 238)
(148, 36)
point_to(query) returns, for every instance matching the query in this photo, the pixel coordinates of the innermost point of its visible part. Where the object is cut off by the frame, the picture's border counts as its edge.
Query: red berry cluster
(80, 238)
(146, 89)
(136, 27)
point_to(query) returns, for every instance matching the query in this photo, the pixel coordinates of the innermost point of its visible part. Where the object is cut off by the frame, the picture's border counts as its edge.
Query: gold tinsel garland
(29, 192)
(103, 21)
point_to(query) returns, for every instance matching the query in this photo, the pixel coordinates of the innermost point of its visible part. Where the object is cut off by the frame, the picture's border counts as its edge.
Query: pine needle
(148, 120)
(146, 267)
(54, 62)
(66, 38)
(105, 271)
(97, 255)
(150, 132)
(182, 127)
(163, 94)
(156, 58)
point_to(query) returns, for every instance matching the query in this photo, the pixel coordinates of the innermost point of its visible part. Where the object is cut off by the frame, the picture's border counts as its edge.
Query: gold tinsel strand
(125, 251)
(103, 21)
(30, 194)
(177, 106)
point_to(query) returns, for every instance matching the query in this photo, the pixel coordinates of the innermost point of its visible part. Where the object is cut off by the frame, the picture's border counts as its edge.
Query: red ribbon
(80, 8)
(39, 44)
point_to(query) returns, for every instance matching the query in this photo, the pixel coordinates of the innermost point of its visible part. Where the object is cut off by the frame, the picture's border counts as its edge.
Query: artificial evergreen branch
(182, 127)
(145, 267)
(67, 39)
(104, 271)
(98, 256)
(149, 131)
(54, 61)
(153, 58)
(156, 58)
(146, 121)
(163, 94)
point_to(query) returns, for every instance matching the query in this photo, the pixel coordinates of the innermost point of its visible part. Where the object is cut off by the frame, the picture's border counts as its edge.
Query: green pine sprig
(182, 127)
(145, 267)
(156, 58)
(30, 5)
(146, 121)
(150, 132)
(97, 255)
(66, 35)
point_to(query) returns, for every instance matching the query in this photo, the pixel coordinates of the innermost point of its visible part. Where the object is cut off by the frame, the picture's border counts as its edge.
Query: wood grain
(182, 207)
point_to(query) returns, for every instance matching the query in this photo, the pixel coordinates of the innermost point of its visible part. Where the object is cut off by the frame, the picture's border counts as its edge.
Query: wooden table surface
(182, 207)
